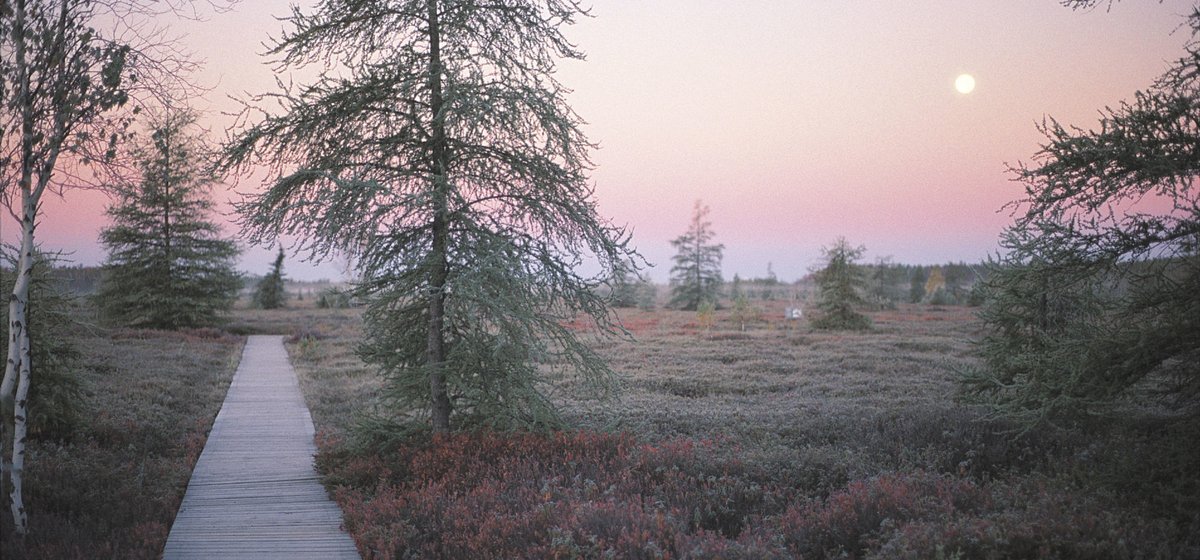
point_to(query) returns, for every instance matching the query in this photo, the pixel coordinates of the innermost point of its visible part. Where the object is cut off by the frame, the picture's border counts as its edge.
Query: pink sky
(796, 122)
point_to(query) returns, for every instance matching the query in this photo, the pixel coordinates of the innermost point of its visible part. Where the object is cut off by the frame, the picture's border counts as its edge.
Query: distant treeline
(883, 284)
(77, 279)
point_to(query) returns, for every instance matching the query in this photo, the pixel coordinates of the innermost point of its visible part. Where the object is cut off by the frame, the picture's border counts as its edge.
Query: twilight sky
(796, 121)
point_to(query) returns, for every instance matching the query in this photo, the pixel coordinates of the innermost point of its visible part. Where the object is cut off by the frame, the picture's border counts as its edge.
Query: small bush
(851, 520)
(333, 298)
(55, 391)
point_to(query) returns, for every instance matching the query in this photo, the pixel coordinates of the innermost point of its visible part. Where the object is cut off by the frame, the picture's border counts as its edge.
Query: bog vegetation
(776, 441)
(436, 149)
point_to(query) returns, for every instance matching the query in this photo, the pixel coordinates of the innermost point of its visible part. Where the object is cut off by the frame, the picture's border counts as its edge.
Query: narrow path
(254, 492)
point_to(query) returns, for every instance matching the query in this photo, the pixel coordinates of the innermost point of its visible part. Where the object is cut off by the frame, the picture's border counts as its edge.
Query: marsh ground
(776, 441)
(772, 441)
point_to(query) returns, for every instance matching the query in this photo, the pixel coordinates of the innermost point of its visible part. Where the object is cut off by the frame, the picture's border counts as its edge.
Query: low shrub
(851, 521)
(111, 489)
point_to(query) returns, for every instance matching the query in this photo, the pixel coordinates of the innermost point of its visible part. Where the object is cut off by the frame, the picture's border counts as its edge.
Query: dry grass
(808, 416)
(113, 488)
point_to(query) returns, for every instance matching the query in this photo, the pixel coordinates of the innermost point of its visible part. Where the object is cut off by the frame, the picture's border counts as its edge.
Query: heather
(778, 441)
(110, 486)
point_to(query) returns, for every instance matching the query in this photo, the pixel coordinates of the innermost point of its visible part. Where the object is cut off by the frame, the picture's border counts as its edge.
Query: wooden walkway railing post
(254, 492)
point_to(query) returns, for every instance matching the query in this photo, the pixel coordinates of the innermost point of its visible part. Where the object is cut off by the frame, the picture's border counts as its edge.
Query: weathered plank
(254, 492)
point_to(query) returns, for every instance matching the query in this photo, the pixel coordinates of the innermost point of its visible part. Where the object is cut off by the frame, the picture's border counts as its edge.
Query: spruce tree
(624, 289)
(168, 266)
(696, 275)
(436, 148)
(271, 292)
(840, 284)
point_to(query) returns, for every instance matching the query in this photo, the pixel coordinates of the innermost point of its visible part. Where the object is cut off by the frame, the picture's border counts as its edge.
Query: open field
(109, 485)
(776, 441)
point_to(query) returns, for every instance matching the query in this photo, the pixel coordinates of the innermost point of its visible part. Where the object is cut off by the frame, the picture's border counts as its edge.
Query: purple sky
(795, 121)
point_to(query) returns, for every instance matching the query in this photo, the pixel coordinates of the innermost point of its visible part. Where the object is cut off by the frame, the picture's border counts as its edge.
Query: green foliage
(623, 289)
(885, 284)
(917, 279)
(333, 298)
(56, 399)
(167, 265)
(271, 292)
(840, 284)
(442, 156)
(696, 275)
(1098, 291)
(706, 315)
(647, 295)
(744, 312)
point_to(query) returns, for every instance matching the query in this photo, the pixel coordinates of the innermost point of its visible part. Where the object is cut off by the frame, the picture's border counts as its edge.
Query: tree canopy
(271, 292)
(437, 149)
(1099, 289)
(167, 265)
(840, 285)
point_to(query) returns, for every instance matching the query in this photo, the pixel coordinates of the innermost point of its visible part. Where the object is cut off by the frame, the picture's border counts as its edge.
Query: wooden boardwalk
(254, 492)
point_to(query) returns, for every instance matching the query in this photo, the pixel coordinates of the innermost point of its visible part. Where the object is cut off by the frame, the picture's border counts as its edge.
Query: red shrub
(849, 521)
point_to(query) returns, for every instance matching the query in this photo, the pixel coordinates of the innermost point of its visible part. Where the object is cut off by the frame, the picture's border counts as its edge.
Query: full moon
(964, 83)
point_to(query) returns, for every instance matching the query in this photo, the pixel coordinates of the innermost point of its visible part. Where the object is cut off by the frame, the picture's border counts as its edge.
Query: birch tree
(438, 150)
(696, 275)
(65, 92)
(58, 83)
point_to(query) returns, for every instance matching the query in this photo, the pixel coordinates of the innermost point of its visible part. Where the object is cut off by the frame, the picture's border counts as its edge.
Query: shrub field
(772, 441)
(109, 485)
(776, 441)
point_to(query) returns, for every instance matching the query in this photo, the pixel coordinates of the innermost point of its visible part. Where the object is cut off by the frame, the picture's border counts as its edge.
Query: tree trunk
(16, 374)
(14, 388)
(436, 342)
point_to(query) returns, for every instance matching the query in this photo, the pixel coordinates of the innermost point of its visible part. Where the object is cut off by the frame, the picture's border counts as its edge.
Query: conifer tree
(437, 149)
(1098, 291)
(840, 284)
(916, 289)
(271, 292)
(167, 265)
(696, 275)
(624, 289)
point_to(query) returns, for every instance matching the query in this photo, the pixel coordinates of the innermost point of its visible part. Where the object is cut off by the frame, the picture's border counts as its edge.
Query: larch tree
(437, 149)
(168, 266)
(696, 274)
(65, 103)
(1098, 291)
(271, 292)
(840, 285)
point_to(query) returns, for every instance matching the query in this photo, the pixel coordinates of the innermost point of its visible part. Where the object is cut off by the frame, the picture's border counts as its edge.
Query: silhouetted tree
(168, 266)
(1099, 287)
(696, 275)
(271, 292)
(437, 148)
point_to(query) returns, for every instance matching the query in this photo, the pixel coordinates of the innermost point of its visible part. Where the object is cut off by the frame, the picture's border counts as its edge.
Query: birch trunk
(14, 388)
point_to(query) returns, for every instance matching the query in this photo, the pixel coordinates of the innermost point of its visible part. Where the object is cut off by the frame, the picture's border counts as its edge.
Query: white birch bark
(14, 388)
